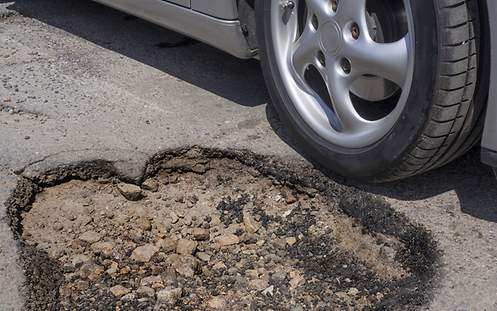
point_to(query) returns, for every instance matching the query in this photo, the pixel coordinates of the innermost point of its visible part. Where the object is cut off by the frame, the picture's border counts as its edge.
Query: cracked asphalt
(80, 81)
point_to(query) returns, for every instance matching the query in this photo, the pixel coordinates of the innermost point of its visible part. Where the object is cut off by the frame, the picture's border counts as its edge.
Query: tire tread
(456, 120)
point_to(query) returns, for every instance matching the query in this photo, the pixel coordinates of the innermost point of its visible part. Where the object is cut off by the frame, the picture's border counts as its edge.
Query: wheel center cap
(331, 37)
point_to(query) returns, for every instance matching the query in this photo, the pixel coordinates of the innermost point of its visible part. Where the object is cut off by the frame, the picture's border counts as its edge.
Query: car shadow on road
(473, 182)
(241, 82)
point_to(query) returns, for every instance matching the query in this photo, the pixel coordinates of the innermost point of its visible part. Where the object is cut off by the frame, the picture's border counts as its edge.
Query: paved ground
(81, 81)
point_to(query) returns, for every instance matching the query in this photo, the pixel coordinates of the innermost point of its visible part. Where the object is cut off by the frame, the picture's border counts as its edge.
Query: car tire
(440, 117)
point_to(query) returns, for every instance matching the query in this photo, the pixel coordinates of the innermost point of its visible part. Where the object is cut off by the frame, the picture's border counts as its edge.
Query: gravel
(226, 236)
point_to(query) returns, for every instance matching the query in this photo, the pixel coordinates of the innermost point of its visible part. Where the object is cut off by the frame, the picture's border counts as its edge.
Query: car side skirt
(224, 34)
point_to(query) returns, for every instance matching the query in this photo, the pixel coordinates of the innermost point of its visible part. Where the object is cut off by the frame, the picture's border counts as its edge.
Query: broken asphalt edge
(421, 256)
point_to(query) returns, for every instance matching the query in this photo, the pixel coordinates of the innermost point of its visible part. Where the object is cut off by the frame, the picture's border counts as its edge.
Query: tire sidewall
(387, 154)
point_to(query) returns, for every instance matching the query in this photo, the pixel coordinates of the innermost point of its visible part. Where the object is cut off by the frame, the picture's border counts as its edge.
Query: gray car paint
(214, 22)
(185, 3)
(225, 9)
(224, 34)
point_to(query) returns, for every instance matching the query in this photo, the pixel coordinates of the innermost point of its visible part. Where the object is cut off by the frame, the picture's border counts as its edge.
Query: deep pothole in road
(210, 229)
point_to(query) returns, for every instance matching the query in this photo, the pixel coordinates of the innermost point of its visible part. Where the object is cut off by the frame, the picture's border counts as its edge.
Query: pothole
(211, 229)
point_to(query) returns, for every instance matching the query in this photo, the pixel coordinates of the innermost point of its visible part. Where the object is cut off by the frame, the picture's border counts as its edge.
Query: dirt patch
(210, 229)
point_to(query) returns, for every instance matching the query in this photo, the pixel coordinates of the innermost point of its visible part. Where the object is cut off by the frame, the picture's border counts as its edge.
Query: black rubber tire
(442, 118)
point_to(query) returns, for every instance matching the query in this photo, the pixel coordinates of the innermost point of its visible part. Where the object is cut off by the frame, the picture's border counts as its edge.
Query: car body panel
(225, 9)
(224, 34)
(489, 142)
(185, 3)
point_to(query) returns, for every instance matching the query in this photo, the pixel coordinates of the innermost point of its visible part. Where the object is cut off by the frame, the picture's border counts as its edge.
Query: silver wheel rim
(328, 42)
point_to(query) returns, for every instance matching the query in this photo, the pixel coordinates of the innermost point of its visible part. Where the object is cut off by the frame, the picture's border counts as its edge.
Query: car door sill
(225, 35)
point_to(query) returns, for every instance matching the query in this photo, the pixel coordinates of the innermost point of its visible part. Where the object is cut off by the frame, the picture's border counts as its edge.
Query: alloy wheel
(347, 65)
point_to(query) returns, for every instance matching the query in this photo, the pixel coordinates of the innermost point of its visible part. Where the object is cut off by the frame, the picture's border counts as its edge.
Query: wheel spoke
(320, 8)
(386, 60)
(304, 52)
(339, 91)
(352, 11)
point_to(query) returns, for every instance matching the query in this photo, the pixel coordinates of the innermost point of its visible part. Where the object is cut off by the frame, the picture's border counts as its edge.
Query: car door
(224, 9)
(185, 3)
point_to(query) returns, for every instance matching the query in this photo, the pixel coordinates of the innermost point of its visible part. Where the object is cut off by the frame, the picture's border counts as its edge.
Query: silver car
(372, 89)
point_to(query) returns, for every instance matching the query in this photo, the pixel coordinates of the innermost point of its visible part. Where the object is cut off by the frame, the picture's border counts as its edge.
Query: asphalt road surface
(81, 81)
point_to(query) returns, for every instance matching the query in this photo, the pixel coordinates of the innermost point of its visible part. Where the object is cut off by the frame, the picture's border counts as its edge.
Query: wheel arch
(246, 13)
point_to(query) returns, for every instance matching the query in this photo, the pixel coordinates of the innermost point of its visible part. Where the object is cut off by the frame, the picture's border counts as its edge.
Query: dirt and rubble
(215, 230)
